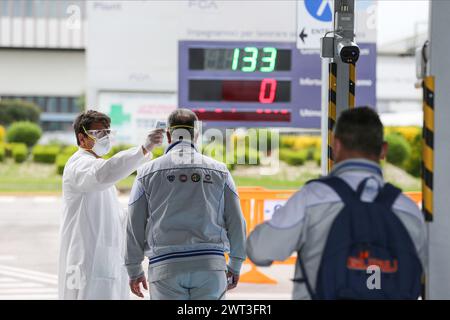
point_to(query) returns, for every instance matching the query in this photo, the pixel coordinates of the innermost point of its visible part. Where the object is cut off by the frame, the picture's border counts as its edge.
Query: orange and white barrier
(258, 205)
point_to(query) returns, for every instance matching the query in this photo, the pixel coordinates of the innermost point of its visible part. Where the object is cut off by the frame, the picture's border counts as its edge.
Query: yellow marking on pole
(332, 71)
(351, 85)
(428, 147)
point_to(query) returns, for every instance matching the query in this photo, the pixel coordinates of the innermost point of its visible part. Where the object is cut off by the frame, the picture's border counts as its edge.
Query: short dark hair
(86, 119)
(182, 119)
(360, 129)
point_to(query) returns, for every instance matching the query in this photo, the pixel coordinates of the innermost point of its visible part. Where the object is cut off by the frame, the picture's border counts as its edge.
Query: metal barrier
(253, 200)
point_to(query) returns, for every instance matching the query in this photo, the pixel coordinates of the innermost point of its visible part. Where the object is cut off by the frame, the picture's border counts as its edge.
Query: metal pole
(344, 26)
(332, 85)
(428, 147)
(351, 84)
(438, 203)
(341, 74)
(324, 117)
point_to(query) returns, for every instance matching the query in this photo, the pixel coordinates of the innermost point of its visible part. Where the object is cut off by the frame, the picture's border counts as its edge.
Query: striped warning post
(428, 147)
(332, 73)
(351, 85)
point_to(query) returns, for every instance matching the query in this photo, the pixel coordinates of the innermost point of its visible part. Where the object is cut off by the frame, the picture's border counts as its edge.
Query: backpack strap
(361, 187)
(344, 191)
(349, 197)
(305, 279)
(388, 195)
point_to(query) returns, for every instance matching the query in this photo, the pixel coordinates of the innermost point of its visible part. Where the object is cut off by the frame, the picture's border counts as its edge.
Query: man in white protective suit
(91, 251)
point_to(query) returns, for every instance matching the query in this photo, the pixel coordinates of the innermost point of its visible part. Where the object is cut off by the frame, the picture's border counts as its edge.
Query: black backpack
(366, 238)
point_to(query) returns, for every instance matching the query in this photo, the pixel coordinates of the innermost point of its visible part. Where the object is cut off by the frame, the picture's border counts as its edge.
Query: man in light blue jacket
(302, 225)
(184, 214)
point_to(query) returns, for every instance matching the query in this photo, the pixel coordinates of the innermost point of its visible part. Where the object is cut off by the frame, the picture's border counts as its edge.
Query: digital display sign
(247, 59)
(263, 91)
(233, 83)
(259, 84)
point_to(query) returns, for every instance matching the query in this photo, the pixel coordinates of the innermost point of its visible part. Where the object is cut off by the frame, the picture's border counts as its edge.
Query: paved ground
(28, 253)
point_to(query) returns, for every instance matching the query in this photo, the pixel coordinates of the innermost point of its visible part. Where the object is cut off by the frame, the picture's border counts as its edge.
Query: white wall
(396, 77)
(398, 101)
(42, 72)
(133, 45)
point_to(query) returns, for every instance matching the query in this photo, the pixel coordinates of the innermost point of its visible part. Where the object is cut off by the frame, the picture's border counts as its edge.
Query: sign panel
(270, 206)
(133, 115)
(259, 84)
(314, 19)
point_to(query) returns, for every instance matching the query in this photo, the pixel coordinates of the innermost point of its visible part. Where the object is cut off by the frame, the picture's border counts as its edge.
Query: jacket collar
(180, 144)
(357, 165)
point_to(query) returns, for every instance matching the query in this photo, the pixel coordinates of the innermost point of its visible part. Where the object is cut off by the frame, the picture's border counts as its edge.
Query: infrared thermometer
(161, 124)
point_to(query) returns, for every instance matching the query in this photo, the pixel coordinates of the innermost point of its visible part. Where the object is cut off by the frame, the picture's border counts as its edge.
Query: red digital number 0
(272, 83)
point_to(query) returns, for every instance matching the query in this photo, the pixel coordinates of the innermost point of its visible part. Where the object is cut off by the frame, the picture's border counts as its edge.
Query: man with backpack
(356, 237)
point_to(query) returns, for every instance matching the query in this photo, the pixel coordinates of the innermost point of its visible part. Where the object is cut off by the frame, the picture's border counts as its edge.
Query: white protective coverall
(92, 232)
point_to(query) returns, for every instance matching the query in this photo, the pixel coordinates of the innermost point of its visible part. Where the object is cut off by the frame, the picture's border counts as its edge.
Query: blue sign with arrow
(320, 9)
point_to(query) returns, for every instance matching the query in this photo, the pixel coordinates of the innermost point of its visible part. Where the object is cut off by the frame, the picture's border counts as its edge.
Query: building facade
(42, 57)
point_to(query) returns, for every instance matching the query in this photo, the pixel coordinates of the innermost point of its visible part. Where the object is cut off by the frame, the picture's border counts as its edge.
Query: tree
(18, 110)
(24, 132)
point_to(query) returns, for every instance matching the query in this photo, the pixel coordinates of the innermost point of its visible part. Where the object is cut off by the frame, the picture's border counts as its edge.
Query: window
(51, 104)
(41, 102)
(17, 7)
(64, 105)
(53, 11)
(63, 5)
(56, 125)
(73, 105)
(29, 99)
(4, 7)
(40, 8)
(79, 3)
(29, 8)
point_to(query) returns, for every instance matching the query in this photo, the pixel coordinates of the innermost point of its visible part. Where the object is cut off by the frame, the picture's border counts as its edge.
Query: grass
(37, 178)
(28, 177)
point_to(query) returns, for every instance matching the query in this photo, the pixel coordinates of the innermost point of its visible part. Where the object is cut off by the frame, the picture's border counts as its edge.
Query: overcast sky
(397, 19)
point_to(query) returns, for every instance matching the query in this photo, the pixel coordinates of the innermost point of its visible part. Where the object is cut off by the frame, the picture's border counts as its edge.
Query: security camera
(347, 50)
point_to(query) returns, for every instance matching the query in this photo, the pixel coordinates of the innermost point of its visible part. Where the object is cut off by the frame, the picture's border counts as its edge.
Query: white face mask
(102, 146)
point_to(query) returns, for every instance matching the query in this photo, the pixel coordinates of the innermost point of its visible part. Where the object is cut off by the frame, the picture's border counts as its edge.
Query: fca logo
(203, 4)
(320, 9)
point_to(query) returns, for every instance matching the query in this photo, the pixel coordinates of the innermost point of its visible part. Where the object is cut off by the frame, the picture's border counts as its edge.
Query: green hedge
(45, 153)
(399, 150)
(61, 161)
(24, 132)
(413, 163)
(217, 152)
(317, 156)
(19, 152)
(294, 158)
(117, 149)
(70, 150)
(2, 153)
(18, 110)
(8, 147)
(63, 157)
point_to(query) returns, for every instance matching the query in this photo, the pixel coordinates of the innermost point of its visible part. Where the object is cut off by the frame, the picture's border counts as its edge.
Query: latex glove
(154, 138)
